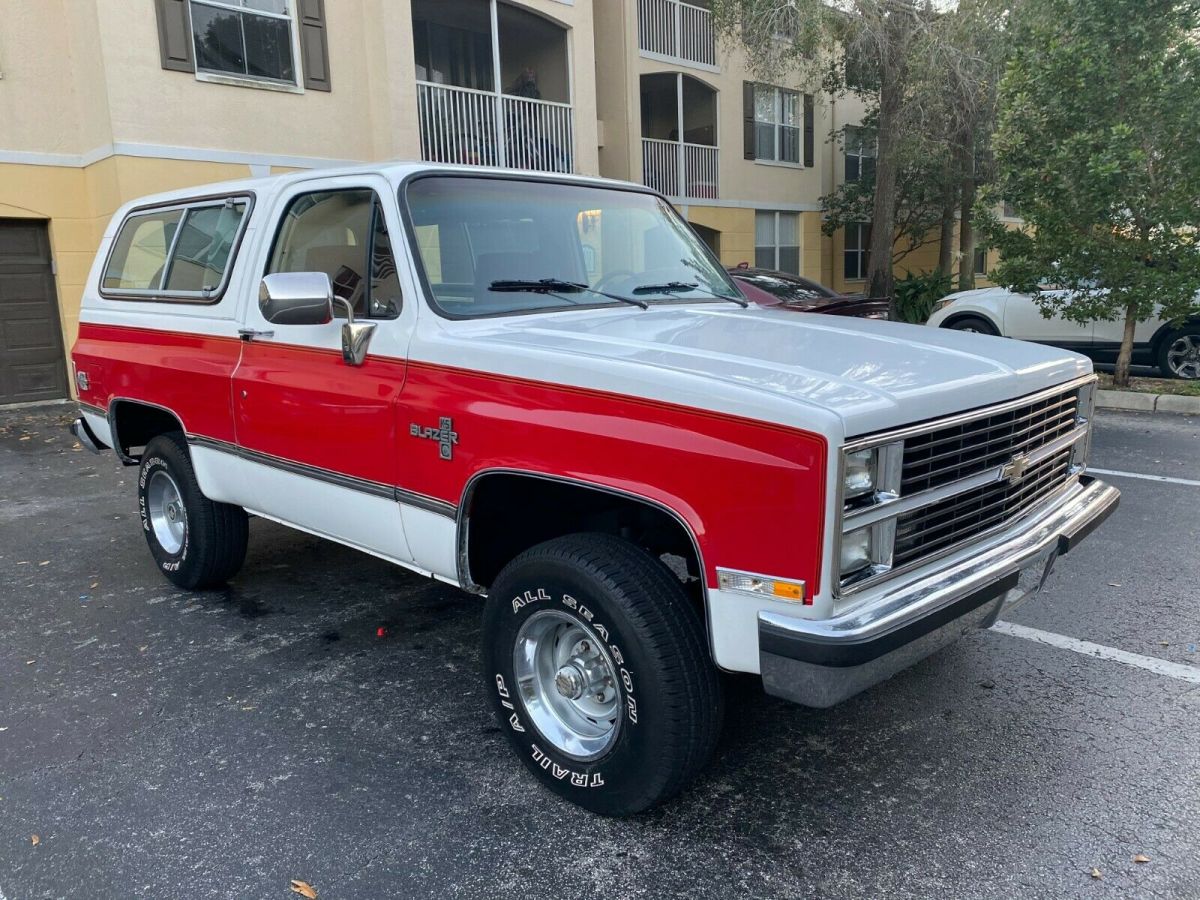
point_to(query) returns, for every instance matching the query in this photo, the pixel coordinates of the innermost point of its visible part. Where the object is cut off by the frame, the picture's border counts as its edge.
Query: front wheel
(596, 665)
(1179, 353)
(973, 324)
(195, 542)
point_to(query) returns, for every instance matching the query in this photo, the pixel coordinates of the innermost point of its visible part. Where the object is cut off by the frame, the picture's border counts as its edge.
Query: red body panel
(187, 373)
(753, 493)
(308, 406)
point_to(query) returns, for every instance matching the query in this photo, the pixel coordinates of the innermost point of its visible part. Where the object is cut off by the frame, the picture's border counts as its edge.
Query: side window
(343, 234)
(139, 253)
(176, 254)
(202, 250)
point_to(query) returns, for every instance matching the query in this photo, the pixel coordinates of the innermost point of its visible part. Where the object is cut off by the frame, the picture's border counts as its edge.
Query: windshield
(480, 240)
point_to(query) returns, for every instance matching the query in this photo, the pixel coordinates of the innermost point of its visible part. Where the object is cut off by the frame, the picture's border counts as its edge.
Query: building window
(857, 253)
(860, 154)
(1010, 211)
(777, 124)
(244, 39)
(980, 261)
(777, 241)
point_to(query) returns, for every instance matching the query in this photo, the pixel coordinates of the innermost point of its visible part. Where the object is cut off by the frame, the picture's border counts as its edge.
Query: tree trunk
(883, 214)
(1121, 374)
(946, 239)
(966, 228)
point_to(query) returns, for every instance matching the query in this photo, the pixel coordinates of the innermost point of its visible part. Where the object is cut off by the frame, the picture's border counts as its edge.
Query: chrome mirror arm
(356, 336)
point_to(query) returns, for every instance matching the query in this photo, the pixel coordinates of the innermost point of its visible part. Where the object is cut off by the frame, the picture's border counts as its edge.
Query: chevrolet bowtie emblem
(444, 434)
(1015, 468)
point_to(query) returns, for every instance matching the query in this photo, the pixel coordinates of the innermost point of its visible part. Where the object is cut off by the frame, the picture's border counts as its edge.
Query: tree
(1098, 149)
(883, 41)
(928, 70)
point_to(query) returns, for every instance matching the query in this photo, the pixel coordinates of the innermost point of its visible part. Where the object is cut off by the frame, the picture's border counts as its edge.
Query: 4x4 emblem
(1015, 468)
(444, 434)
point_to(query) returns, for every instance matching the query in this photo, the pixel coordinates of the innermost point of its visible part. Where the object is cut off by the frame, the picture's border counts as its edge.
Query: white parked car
(1174, 350)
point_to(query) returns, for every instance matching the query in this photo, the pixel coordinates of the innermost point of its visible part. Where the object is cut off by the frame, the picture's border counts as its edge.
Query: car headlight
(856, 551)
(943, 303)
(870, 478)
(860, 473)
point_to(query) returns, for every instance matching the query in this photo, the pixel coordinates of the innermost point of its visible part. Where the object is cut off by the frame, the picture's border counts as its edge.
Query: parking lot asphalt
(323, 719)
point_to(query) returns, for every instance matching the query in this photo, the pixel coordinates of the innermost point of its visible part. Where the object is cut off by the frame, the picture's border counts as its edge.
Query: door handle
(249, 334)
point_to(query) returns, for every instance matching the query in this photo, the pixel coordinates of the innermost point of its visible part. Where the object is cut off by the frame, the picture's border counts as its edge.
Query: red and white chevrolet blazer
(545, 390)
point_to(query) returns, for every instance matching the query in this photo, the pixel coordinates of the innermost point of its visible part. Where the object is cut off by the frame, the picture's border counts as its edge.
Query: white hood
(869, 374)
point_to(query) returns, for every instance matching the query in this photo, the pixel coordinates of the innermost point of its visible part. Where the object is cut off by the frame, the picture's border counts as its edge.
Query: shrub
(916, 294)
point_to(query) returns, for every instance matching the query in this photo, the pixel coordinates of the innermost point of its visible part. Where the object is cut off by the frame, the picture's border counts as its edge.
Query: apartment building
(102, 101)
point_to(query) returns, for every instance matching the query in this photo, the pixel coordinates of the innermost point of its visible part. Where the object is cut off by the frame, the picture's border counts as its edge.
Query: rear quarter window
(182, 253)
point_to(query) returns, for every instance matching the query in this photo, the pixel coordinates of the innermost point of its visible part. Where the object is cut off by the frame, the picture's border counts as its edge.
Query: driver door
(318, 433)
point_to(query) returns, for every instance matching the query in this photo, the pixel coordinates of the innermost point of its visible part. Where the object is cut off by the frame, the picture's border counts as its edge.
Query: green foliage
(1098, 149)
(916, 294)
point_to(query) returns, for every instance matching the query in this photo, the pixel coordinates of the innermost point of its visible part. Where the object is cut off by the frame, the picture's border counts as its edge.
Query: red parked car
(767, 287)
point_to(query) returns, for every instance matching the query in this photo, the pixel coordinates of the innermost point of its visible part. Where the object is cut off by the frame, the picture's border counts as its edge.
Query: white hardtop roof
(394, 171)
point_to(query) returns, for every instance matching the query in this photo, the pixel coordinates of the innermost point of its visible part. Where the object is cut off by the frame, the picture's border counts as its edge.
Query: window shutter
(175, 35)
(748, 120)
(809, 127)
(314, 46)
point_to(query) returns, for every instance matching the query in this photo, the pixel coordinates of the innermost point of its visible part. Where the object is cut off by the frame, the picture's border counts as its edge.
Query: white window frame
(253, 81)
(861, 251)
(775, 245)
(777, 126)
(860, 147)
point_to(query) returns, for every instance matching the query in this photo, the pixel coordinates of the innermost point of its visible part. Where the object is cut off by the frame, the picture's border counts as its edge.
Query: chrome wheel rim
(1183, 356)
(568, 684)
(164, 506)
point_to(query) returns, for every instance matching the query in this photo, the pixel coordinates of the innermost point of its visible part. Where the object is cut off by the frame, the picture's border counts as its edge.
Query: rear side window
(179, 253)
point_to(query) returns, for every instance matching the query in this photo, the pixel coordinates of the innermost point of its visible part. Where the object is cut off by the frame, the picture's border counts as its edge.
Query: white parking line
(1168, 479)
(1178, 671)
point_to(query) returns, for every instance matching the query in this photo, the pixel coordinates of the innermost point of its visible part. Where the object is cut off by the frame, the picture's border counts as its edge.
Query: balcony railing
(684, 170)
(463, 125)
(677, 30)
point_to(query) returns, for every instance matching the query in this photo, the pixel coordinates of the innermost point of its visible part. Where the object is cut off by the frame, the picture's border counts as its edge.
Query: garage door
(32, 363)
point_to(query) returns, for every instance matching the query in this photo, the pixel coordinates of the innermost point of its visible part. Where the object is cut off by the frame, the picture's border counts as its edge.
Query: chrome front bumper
(820, 663)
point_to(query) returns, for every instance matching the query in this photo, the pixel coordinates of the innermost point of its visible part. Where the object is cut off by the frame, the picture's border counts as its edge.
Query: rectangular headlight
(860, 473)
(856, 551)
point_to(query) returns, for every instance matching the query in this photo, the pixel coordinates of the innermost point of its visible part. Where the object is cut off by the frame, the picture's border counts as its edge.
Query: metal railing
(473, 127)
(676, 29)
(680, 169)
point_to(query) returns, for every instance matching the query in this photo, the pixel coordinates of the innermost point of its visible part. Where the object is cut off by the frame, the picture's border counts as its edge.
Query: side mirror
(296, 298)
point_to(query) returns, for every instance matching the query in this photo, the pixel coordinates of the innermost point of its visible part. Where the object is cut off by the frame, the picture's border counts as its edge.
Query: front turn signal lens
(763, 586)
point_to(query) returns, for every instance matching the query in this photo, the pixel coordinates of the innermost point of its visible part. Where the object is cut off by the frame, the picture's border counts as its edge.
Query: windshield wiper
(671, 287)
(553, 286)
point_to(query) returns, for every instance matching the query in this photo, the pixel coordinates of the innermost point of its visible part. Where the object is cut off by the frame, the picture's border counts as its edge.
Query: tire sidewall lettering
(515, 719)
(167, 562)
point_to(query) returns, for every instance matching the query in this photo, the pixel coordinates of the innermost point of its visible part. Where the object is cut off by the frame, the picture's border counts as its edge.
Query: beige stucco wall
(83, 85)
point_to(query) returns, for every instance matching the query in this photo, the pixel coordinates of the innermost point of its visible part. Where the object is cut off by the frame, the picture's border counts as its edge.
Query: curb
(1129, 401)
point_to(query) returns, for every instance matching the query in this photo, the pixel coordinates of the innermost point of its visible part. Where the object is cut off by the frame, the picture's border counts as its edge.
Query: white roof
(394, 171)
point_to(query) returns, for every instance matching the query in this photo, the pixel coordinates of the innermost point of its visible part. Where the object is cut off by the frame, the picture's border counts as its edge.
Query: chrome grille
(927, 530)
(948, 454)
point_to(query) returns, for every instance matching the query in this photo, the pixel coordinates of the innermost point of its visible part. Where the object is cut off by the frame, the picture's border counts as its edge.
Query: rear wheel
(1179, 353)
(973, 324)
(597, 667)
(195, 542)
